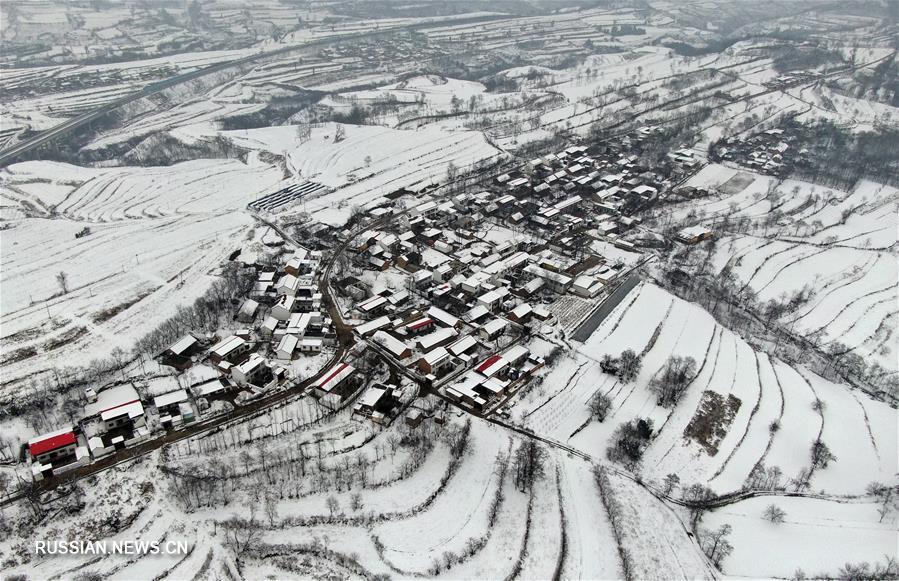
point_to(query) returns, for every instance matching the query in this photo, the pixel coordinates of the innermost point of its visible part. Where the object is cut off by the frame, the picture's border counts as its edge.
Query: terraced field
(157, 237)
(838, 246)
(860, 431)
(394, 159)
(436, 501)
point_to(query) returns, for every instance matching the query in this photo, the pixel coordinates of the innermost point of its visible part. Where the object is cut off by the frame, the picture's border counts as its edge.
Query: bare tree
(715, 544)
(304, 132)
(271, 509)
(35, 503)
(63, 280)
(629, 365)
(452, 172)
(246, 458)
(887, 496)
(775, 514)
(698, 495)
(821, 455)
(671, 384)
(241, 535)
(333, 504)
(628, 442)
(529, 464)
(339, 133)
(670, 483)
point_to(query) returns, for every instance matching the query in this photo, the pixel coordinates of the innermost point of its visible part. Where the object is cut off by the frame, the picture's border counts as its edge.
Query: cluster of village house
(470, 297)
(284, 320)
(113, 418)
(765, 152)
(458, 322)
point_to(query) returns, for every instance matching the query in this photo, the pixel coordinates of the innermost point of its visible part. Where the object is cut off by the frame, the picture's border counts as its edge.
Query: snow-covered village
(462, 290)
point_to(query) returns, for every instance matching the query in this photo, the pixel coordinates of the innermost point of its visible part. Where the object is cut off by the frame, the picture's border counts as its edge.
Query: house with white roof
(491, 329)
(694, 234)
(443, 317)
(230, 349)
(586, 286)
(421, 278)
(178, 354)
(286, 347)
(283, 308)
(520, 314)
(493, 299)
(393, 345)
(437, 362)
(375, 403)
(253, 371)
(288, 285)
(168, 402)
(367, 328)
(464, 391)
(116, 407)
(436, 339)
(174, 408)
(556, 281)
(372, 305)
(311, 344)
(476, 313)
(462, 345)
(247, 311)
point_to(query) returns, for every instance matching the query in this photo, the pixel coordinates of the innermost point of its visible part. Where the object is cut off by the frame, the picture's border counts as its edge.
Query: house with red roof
(492, 365)
(420, 326)
(53, 447)
(337, 382)
(55, 453)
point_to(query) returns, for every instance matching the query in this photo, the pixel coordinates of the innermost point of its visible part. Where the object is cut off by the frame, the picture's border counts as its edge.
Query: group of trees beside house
(205, 314)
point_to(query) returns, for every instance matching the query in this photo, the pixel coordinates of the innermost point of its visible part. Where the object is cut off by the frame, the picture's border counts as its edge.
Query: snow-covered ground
(817, 536)
(465, 506)
(158, 236)
(337, 496)
(840, 245)
(369, 162)
(860, 431)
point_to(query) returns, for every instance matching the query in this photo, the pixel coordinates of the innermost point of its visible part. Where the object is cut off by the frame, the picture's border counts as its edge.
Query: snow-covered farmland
(449, 509)
(428, 94)
(368, 162)
(861, 432)
(157, 238)
(817, 536)
(838, 245)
